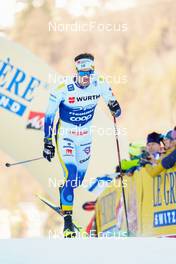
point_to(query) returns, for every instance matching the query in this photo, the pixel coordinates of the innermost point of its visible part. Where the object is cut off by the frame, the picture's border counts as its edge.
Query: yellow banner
(151, 204)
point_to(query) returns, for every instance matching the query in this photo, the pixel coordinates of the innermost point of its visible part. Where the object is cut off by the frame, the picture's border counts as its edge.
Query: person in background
(154, 146)
(170, 139)
(135, 153)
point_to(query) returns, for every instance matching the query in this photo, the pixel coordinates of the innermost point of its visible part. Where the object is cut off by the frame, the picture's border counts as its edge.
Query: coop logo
(81, 118)
(71, 100)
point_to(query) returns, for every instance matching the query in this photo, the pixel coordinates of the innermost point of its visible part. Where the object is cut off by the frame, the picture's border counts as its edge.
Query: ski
(58, 210)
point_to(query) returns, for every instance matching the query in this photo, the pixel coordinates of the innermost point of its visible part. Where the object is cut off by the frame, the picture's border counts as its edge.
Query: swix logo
(69, 151)
(71, 100)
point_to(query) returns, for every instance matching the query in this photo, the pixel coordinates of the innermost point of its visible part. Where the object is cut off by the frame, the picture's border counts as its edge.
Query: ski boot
(69, 230)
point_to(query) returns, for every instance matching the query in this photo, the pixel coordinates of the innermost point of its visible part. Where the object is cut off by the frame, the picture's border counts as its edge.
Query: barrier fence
(151, 205)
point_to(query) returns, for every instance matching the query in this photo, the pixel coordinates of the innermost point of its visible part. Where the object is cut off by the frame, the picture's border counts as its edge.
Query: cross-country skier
(75, 100)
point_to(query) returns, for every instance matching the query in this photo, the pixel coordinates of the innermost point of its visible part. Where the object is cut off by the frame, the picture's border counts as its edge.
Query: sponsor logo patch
(78, 133)
(71, 100)
(84, 160)
(87, 98)
(12, 105)
(35, 120)
(70, 87)
(69, 151)
(164, 218)
(87, 150)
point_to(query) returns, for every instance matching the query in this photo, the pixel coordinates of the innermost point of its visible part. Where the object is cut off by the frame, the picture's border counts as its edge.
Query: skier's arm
(110, 99)
(56, 96)
(50, 116)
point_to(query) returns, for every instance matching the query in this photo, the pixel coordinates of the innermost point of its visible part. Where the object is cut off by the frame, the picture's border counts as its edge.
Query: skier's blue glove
(49, 150)
(114, 108)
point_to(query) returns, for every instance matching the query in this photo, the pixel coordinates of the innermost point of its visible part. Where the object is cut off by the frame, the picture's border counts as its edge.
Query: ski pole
(21, 162)
(121, 177)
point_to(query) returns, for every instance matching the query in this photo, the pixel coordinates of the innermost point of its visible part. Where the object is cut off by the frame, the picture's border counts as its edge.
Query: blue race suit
(75, 107)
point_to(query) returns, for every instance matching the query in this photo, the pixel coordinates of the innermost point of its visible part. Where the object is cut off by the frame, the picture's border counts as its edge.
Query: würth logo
(89, 97)
(71, 100)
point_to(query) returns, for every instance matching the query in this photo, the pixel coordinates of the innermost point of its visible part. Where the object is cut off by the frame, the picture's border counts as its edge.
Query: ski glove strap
(114, 108)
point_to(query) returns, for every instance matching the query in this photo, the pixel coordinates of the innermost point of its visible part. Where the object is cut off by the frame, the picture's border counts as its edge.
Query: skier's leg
(66, 153)
(83, 153)
(67, 157)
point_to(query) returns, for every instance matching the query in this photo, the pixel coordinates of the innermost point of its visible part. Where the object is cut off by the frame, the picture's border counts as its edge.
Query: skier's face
(84, 77)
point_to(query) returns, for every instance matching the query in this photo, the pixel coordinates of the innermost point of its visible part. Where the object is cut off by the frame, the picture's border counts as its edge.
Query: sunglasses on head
(84, 73)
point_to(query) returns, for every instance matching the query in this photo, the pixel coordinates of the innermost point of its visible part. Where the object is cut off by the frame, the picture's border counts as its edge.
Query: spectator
(160, 150)
(170, 139)
(154, 146)
(135, 153)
